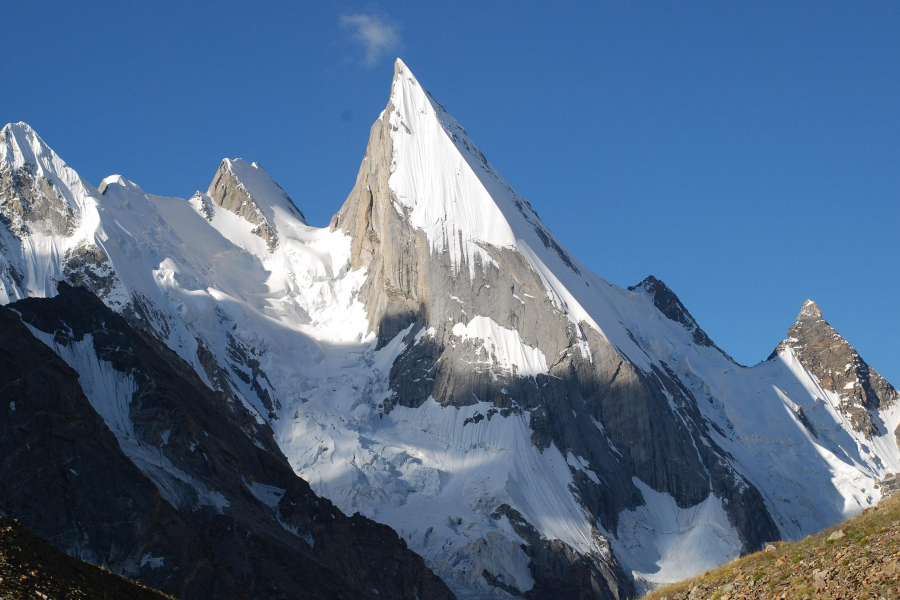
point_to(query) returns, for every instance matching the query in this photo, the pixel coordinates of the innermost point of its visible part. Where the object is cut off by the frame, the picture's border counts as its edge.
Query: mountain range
(199, 391)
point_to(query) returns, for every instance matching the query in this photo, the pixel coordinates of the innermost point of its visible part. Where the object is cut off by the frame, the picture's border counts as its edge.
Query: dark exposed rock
(31, 568)
(86, 265)
(205, 205)
(266, 535)
(668, 304)
(496, 582)
(246, 359)
(560, 572)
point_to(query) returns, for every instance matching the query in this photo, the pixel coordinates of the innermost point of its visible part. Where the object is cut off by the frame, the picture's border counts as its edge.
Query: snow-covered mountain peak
(811, 329)
(51, 215)
(446, 187)
(27, 161)
(21, 145)
(259, 185)
(247, 190)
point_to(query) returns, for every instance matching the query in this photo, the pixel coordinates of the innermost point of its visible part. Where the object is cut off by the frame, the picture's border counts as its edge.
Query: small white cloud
(377, 35)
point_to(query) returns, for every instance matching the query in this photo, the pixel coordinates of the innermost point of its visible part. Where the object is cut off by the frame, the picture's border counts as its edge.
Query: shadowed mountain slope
(115, 451)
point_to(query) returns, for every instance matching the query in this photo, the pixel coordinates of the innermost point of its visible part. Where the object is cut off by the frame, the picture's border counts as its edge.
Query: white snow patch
(661, 543)
(267, 494)
(579, 463)
(155, 562)
(505, 347)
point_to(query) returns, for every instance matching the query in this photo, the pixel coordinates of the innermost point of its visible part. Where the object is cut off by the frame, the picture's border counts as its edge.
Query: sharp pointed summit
(839, 369)
(30, 168)
(443, 184)
(810, 311)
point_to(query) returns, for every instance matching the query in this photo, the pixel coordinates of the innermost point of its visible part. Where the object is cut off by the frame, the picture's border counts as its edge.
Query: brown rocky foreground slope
(33, 569)
(860, 558)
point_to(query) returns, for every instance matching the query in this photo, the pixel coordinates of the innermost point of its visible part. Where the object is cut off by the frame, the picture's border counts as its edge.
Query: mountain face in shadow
(117, 452)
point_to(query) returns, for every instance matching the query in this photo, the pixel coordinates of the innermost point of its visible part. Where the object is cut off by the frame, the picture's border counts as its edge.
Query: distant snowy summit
(438, 362)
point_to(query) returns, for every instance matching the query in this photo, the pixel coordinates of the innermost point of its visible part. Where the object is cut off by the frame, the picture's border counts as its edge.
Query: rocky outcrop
(560, 571)
(30, 201)
(839, 369)
(226, 191)
(138, 466)
(890, 485)
(229, 191)
(668, 304)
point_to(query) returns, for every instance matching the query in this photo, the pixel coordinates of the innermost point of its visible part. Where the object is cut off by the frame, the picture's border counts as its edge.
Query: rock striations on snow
(438, 362)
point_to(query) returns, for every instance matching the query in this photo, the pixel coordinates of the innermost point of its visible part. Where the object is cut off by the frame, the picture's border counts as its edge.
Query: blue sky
(747, 153)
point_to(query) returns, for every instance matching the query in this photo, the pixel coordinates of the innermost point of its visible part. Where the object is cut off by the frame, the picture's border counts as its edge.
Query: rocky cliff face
(861, 391)
(438, 362)
(136, 465)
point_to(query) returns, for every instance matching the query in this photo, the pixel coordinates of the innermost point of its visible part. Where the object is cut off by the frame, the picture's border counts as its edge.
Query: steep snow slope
(437, 361)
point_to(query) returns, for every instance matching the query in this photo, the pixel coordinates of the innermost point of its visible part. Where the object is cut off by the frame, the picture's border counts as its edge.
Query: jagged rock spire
(839, 368)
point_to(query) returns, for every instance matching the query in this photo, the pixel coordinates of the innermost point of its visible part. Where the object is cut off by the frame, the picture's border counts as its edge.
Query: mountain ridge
(437, 361)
